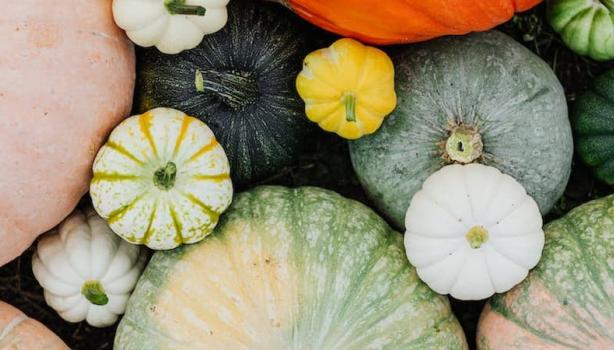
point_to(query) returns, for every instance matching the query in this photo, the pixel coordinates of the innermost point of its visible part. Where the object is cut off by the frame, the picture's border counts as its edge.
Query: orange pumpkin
(19, 332)
(406, 21)
(66, 79)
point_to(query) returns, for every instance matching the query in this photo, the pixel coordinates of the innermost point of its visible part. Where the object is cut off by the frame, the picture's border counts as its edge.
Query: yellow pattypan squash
(348, 88)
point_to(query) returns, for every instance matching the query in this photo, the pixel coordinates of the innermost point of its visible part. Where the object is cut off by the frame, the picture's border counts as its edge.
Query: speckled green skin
(246, 94)
(487, 81)
(586, 26)
(352, 287)
(567, 302)
(593, 123)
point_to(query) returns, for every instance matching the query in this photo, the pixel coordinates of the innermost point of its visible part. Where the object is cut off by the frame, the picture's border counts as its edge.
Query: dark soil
(327, 165)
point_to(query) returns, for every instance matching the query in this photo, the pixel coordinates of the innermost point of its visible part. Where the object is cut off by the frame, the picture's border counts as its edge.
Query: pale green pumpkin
(162, 179)
(289, 269)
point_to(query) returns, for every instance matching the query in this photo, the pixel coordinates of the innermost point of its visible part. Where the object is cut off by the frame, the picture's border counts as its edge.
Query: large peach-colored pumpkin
(19, 332)
(66, 78)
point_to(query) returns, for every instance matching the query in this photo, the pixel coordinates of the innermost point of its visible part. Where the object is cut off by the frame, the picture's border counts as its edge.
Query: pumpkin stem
(235, 88)
(349, 100)
(179, 7)
(464, 145)
(476, 236)
(199, 82)
(164, 178)
(94, 293)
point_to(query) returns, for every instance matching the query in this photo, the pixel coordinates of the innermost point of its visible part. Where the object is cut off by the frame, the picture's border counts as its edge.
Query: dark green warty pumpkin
(593, 123)
(240, 82)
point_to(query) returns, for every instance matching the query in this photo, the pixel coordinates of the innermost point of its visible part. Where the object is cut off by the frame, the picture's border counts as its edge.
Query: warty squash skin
(67, 77)
(240, 82)
(567, 300)
(593, 124)
(480, 98)
(19, 332)
(289, 269)
(406, 21)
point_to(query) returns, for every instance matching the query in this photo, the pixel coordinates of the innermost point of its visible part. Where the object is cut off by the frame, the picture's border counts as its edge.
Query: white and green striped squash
(289, 269)
(162, 179)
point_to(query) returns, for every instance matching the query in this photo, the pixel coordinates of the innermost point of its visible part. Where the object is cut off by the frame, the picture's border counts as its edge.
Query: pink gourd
(19, 332)
(66, 79)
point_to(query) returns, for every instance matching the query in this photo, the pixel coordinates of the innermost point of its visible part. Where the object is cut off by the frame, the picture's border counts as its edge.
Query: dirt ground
(327, 165)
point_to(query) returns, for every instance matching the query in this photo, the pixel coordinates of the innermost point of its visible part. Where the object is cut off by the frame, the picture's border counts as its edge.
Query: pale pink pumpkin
(19, 332)
(66, 79)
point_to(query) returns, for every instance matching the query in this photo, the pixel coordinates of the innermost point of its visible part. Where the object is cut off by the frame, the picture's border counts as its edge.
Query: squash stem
(464, 145)
(164, 178)
(94, 293)
(349, 100)
(179, 7)
(476, 236)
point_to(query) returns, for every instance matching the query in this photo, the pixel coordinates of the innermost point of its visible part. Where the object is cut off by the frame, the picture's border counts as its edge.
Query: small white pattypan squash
(170, 25)
(472, 232)
(162, 179)
(86, 270)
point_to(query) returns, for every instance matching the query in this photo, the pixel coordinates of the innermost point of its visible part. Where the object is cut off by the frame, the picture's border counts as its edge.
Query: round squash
(19, 332)
(170, 25)
(289, 269)
(566, 302)
(86, 270)
(66, 78)
(348, 88)
(161, 179)
(593, 123)
(586, 26)
(480, 98)
(240, 81)
(403, 21)
(472, 232)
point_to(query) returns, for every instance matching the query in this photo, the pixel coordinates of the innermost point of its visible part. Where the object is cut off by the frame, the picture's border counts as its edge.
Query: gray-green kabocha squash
(478, 98)
(289, 269)
(240, 82)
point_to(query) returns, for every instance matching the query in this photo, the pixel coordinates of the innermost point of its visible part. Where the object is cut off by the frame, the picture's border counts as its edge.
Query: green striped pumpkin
(567, 302)
(288, 269)
(162, 179)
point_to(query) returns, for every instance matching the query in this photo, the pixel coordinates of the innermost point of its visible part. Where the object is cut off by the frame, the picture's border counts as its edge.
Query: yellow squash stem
(476, 236)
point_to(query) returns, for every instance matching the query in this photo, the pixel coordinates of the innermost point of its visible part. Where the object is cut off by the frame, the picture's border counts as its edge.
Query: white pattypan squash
(86, 270)
(162, 179)
(170, 25)
(472, 232)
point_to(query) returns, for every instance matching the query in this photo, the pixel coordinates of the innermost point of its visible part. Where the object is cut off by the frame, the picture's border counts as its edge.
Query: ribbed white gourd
(473, 231)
